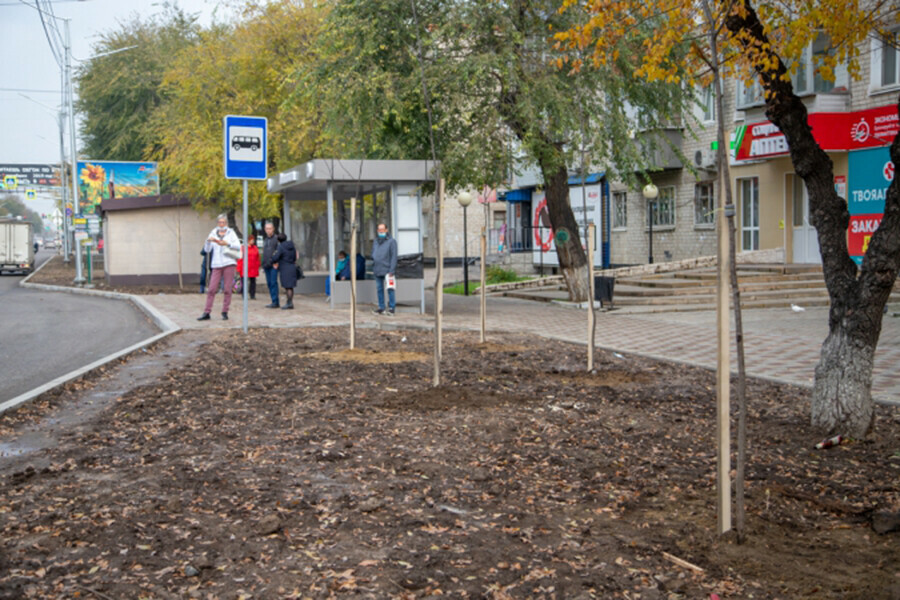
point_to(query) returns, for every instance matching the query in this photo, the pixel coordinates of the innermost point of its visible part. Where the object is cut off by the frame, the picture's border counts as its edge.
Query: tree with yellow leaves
(764, 41)
(244, 69)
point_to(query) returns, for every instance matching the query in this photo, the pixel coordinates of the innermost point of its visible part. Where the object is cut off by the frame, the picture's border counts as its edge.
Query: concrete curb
(164, 323)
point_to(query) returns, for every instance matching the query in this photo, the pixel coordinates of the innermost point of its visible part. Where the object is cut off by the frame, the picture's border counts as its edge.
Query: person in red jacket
(252, 267)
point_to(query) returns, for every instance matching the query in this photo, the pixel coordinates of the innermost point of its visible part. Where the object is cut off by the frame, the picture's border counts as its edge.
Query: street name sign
(246, 147)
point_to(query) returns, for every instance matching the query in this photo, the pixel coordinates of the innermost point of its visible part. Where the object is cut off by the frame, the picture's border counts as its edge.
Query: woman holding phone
(221, 242)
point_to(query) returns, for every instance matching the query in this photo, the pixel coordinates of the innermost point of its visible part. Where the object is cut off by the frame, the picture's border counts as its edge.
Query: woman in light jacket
(223, 267)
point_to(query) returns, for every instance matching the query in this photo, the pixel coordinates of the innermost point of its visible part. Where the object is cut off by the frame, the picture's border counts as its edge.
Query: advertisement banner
(871, 172)
(100, 180)
(31, 174)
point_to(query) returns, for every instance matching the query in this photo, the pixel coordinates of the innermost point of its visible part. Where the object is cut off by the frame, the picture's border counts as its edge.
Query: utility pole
(63, 185)
(70, 95)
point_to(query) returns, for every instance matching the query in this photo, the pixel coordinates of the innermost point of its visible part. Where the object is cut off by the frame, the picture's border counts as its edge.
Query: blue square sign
(246, 147)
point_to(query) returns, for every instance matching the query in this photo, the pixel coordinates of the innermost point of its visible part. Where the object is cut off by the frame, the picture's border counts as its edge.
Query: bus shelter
(317, 210)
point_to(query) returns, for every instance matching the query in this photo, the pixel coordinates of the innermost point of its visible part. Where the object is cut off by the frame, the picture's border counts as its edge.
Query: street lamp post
(650, 193)
(79, 276)
(465, 199)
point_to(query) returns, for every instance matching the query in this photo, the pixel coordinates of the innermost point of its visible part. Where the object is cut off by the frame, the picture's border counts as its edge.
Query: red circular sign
(539, 228)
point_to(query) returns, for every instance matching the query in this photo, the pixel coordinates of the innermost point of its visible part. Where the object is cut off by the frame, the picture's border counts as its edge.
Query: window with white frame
(808, 76)
(620, 210)
(704, 203)
(663, 208)
(707, 103)
(886, 61)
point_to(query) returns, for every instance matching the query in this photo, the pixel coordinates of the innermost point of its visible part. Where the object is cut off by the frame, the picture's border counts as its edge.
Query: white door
(749, 193)
(806, 242)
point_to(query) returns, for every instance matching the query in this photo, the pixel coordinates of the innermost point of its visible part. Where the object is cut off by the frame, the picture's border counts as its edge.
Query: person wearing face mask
(223, 266)
(384, 264)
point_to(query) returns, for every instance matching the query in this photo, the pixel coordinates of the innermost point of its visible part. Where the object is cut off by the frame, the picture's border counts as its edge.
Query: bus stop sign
(246, 147)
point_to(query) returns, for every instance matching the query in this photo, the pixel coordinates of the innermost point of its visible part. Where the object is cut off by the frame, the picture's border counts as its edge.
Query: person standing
(270, 245)
(285, 260)
(252, 267)
(384, 264)
(203, 270)
(223, 266)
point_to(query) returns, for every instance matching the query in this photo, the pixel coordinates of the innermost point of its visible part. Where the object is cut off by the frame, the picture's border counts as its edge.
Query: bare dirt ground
(281, 465)
(56, 272)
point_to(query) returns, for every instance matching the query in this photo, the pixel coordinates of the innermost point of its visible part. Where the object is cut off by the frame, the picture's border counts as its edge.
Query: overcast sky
(30, 133)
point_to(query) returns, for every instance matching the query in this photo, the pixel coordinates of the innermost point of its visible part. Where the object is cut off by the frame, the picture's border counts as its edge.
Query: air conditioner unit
(706, 159)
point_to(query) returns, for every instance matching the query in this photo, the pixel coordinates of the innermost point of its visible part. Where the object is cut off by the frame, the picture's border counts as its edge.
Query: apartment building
(853, 120)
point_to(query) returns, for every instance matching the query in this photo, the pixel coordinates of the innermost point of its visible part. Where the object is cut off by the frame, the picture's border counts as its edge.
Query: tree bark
(572, 259)
(842, 401)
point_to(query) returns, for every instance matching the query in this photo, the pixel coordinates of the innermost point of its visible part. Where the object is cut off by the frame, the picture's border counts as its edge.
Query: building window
(749, 94)
(663, 209)
(885, 63)
(808, 78)
(707, 102)
(620, 210)
(704, 203)
(748, 190)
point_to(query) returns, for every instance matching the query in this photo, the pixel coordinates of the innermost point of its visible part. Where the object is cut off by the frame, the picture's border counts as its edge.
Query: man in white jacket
(223, 266)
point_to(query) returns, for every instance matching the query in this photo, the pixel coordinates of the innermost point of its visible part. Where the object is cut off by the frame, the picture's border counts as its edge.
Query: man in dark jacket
(384, 264)
(270, 245)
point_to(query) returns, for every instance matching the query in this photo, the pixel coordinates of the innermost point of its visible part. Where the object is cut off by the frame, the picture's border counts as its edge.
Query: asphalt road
(47, 334)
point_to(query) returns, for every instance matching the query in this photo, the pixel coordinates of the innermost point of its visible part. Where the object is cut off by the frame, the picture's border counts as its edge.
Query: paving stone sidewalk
(780, 344)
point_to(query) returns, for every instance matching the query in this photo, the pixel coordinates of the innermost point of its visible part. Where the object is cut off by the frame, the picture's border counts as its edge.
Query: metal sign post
(353, 275)
(590, 306)
(246, 154)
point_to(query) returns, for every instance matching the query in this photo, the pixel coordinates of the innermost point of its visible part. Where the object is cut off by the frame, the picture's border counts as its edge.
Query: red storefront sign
(833, 131)
(860, 232)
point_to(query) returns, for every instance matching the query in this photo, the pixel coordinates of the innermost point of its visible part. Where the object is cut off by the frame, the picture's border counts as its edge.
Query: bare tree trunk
(572, 259)
(842, 401)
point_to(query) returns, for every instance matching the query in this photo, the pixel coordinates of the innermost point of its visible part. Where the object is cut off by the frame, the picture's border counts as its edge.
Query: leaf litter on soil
(262, 468)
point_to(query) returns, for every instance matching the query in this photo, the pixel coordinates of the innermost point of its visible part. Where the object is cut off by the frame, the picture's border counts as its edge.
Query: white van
(16, 246)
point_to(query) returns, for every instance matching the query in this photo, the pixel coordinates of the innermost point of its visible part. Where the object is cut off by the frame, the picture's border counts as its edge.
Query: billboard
(100, 180)
(30, 175)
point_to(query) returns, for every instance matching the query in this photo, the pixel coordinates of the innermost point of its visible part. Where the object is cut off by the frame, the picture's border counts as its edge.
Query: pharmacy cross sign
(246, 147)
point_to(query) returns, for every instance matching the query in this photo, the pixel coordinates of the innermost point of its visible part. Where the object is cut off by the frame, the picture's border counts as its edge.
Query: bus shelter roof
(316, 174)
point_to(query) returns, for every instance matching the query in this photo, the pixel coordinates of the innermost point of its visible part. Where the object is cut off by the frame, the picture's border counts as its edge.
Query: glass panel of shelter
(309, 232)
(373, 207)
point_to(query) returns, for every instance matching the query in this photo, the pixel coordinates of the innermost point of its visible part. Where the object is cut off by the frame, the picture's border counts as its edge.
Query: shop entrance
(805, 240)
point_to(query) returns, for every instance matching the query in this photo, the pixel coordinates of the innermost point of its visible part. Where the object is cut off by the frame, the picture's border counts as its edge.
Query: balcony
(659, 147)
